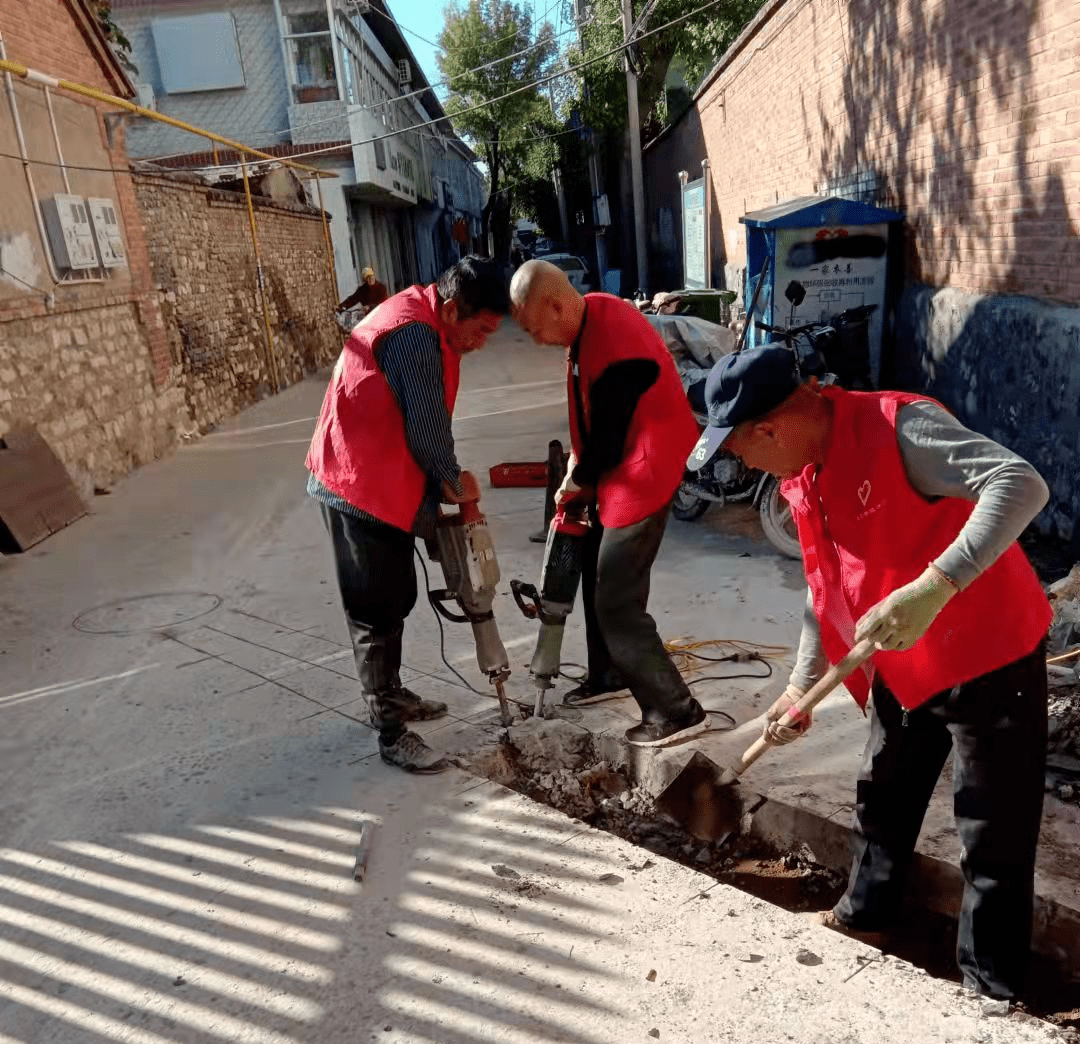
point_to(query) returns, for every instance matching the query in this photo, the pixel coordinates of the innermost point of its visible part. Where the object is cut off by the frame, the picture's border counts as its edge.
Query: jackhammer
(559, 581)
(464, 549)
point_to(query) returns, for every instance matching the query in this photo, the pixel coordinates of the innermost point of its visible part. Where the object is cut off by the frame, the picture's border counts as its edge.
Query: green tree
(698, 42)
(121, 45)
(508, 133)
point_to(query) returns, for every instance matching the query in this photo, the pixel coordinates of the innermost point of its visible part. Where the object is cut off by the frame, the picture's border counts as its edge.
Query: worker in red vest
(908, 524)
(631, 430)
(381, 460)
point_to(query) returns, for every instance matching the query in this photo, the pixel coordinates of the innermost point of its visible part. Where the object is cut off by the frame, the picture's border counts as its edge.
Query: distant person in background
(368, 294)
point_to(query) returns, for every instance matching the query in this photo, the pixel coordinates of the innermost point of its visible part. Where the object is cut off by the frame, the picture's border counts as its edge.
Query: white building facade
(333, 82)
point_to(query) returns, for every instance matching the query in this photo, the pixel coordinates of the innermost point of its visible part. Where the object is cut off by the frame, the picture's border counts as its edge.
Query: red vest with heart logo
(865, 531)
(359, 450)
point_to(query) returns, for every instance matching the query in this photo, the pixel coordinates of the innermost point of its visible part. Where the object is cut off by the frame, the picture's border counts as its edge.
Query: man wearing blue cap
(908, 524)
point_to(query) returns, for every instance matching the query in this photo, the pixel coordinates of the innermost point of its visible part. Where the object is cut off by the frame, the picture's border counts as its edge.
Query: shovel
(703, 799)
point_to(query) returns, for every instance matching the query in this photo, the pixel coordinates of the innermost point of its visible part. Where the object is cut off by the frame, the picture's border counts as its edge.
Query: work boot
(592, 692)
(412, 754)
(657, 733)
(413, 708)
(828, 919)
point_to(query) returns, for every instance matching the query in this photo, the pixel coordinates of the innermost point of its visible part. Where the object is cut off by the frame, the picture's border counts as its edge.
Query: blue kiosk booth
(837, 249)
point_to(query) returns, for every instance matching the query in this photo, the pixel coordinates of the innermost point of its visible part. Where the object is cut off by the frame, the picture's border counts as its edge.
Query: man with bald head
(631, 430)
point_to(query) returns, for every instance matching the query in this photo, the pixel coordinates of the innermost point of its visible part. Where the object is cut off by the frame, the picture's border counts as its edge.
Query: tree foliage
(121, 45)
(699, 42)
(508, 133)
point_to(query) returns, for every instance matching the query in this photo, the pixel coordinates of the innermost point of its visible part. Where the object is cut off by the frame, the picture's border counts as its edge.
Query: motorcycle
(835, 350)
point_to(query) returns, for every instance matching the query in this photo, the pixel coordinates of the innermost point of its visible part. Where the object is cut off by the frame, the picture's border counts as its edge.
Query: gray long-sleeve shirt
(942, 458)
(411, 361)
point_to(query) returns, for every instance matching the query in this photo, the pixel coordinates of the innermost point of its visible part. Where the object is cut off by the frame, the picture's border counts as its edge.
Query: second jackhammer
(464, 548)
(553, 603)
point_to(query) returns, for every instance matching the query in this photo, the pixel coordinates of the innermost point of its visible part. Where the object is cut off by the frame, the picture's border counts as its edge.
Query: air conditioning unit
(404, 72)
(71, 236)
(107, 232)
(144, 96)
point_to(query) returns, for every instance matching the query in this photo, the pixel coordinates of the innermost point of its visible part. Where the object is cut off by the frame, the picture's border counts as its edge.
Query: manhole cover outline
(85, 622)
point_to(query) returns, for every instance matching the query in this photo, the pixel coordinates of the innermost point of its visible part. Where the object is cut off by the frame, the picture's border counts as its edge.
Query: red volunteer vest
(359, 450)
(865, 531)
(663, 430)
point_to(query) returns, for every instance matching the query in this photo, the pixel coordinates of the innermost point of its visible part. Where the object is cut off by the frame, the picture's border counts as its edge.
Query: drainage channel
(559, 765)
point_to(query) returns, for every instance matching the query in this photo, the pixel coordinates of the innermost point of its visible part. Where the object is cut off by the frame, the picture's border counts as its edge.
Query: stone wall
(84, 377)
(113, 376)
(203, 262)
(1008, 366)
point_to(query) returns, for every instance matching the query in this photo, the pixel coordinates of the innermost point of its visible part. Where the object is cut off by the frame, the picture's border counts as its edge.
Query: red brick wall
(47, 35)
(969, 110)
(50, 35)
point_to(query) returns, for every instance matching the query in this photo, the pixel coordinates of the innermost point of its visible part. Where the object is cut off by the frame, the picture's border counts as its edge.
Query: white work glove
(781, 734)
(569, 488)
(898, 621)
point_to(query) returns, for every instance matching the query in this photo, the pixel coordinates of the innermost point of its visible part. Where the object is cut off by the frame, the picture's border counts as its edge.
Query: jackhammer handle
(836, 675)
(523, 591)
(441, 596)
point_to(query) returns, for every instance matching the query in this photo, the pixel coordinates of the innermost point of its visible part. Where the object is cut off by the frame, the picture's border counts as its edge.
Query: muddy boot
(657, 733)
(414, 708)
(410, 752)
(589, 691)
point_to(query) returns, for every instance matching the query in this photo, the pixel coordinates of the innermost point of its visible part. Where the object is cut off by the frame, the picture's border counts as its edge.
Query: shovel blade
(697, 800)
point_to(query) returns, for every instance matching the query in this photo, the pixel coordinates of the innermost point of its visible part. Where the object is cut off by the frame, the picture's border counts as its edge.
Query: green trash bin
(713, 305)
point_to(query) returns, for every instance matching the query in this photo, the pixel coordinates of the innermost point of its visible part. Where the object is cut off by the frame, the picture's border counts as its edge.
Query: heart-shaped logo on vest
(864, 492)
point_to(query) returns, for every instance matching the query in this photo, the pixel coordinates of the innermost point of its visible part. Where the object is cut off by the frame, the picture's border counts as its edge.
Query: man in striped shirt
(381, 460)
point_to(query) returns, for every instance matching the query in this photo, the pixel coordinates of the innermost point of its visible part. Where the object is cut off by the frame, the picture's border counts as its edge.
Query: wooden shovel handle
(834, 676)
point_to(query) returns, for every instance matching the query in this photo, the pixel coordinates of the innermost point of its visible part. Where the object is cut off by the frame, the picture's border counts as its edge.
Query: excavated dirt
(568, 775)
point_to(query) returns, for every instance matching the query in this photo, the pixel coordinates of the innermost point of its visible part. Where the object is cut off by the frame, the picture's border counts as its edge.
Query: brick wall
(969, 114)
(969, 111)
(47, 35)
(203, 262)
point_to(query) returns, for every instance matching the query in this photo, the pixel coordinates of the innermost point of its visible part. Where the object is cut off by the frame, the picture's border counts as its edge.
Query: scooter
(825, 349)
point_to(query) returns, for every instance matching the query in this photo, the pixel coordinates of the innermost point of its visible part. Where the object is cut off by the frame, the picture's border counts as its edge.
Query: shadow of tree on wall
(681, 147)
(942, 99)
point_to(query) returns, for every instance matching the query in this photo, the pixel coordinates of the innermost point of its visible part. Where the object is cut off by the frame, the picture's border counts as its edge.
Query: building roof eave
(98, 43)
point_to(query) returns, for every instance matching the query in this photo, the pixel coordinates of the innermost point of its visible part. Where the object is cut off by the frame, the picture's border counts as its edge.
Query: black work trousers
(996, 727)
(376, 575)
(623, 643)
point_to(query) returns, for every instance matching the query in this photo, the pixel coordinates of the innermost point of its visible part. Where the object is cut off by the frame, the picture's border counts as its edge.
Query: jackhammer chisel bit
(559, 581)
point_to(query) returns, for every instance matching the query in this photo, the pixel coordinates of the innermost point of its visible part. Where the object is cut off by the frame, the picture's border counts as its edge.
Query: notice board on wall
(695, 269)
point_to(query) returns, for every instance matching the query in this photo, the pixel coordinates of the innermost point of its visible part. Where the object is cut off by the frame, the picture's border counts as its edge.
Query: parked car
(574, 267)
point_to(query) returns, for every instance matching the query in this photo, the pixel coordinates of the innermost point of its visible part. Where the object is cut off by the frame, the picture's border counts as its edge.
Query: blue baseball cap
(743, 387)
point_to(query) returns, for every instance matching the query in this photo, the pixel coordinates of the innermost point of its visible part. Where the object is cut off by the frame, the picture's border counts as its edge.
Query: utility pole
(595, 178)
(636, 176)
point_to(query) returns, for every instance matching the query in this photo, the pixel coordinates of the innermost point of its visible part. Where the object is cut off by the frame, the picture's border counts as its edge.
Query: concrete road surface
(186, 772)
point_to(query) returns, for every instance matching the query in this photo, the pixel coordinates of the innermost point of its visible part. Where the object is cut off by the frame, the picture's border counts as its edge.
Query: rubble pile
(1063, 749)
(555, 762)
(1065, 598)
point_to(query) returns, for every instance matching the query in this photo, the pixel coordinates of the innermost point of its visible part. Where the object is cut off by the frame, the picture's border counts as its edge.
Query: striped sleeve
(411, 361)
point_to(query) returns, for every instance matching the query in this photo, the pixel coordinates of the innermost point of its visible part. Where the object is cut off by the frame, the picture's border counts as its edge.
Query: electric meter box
(71, 237)
(106, 225)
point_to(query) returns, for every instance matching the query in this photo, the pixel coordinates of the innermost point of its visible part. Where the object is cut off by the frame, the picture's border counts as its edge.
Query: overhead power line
(519, 90)
(278, 132)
